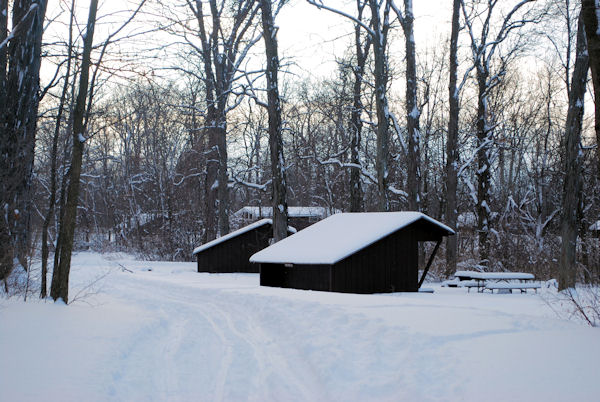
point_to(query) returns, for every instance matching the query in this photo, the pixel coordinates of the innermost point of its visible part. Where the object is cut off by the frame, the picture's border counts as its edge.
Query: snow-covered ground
(164, 332)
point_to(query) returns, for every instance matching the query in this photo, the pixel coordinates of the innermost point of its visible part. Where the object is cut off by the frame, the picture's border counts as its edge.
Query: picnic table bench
(497, 281)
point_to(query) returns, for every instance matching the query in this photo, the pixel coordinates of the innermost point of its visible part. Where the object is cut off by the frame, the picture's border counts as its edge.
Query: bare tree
(452, 156)
(573, 164)
(53, 157)
(485, 43)
(362, 47)
(81, 112)
(279, 185)
(413, 113)
(380, 26)
(378, 29)
(20, 59)
(6, 250)
(224, 45)
(60, 276)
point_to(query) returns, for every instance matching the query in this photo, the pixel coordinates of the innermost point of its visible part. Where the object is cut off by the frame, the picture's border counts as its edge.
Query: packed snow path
(166, 333)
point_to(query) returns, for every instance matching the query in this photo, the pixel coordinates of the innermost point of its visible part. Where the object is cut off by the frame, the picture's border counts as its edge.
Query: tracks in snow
(199, 326)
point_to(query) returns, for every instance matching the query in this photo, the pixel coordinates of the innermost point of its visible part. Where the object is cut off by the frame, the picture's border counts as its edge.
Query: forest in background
(174, 130)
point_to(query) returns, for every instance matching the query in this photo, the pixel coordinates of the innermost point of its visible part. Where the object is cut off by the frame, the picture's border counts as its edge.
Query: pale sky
(308, 34)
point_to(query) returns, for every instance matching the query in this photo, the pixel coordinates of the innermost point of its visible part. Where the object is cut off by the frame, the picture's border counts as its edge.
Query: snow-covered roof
(232, 235)
(293, 212)
(337, 237)
(238, 232)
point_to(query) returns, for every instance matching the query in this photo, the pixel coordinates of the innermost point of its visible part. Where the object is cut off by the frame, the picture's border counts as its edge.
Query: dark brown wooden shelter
(353, 253)
(230, 253)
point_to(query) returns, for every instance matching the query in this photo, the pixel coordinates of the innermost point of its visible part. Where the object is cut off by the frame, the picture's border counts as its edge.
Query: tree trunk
(6, 251)
(412, 112)
(381, 163)
(483, 167)
(452, 144)
(19, 82)
(61, 207)
(356, 193)
(222, 188)
(572, 183)
(279, 200)
(590, 11)
(210, 181)
(53, 157)
(60, 277)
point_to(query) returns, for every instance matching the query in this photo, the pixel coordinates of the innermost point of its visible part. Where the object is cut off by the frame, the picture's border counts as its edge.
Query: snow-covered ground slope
(166, 333)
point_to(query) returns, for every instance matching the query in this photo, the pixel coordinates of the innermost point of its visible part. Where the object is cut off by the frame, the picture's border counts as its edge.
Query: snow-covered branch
(319, 4)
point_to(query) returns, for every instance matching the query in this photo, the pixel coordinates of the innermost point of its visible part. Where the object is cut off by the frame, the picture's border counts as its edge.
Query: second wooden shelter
(230, 253)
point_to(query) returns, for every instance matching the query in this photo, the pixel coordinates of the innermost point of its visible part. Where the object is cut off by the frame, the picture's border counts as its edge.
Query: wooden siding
(388, 265)
(233, 255)
(308, 277)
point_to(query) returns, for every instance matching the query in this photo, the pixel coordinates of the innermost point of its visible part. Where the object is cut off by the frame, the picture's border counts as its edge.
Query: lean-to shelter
(371, 252)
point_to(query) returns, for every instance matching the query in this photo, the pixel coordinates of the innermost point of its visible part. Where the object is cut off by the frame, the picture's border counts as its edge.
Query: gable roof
(231, 235)
(236, 233)
(339, 236)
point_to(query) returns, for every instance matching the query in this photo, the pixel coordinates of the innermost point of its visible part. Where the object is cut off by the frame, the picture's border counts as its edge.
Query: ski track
(247, 350)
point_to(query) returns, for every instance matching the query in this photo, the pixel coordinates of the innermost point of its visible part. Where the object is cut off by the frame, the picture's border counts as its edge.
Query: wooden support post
(429, 263)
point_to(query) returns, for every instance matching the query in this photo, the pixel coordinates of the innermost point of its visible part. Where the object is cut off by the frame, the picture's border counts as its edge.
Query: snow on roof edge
(238, 232)
(423, 216)
(231, 235)
(333, 259)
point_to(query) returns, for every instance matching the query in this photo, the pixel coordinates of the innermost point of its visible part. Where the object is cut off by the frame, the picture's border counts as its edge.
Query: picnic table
(499, 281)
